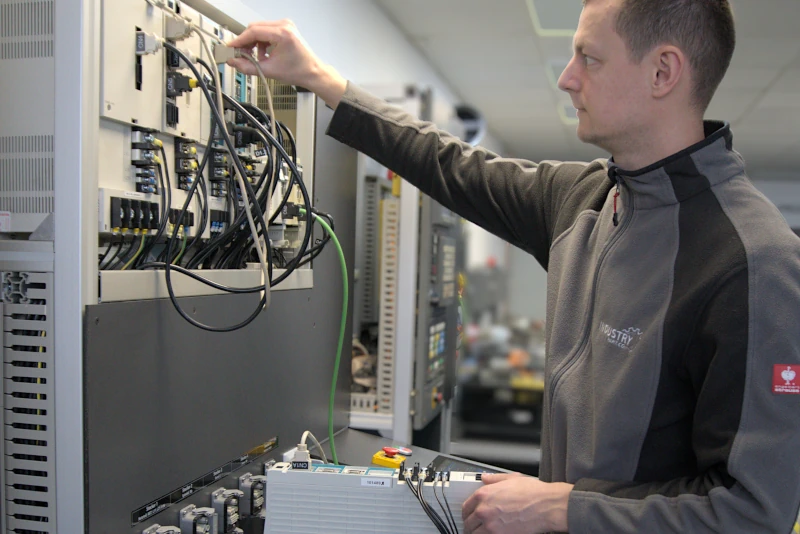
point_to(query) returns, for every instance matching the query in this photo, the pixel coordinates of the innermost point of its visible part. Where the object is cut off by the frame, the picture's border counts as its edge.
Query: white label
(377, 482)
(5, 221)
(132, 194)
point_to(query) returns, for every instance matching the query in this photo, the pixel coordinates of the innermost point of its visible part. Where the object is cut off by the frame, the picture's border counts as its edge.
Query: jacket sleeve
(514, 199)
(745, 435)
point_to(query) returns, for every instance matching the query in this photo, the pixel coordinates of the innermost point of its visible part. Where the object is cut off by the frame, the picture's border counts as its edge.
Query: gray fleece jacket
(672, 388)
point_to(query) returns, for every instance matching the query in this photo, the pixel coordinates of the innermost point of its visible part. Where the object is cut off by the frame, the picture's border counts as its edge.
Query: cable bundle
(248, 233)
(416, 483)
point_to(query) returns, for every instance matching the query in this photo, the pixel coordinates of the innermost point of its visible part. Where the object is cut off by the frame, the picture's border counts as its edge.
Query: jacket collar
(686, 173)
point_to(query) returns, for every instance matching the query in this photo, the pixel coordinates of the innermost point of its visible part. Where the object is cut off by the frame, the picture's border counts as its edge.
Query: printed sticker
(785, 379)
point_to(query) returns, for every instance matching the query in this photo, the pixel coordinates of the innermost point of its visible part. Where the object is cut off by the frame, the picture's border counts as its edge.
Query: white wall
(354, 36)
(785, 195)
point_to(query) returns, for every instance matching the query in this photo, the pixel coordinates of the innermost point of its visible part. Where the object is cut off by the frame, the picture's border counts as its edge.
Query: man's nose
(568, 81)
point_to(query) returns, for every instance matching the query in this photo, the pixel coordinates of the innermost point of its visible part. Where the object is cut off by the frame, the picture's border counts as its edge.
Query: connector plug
(147, 43)
(177, 84)
(223, 53)
(177, 28)
(302, 458)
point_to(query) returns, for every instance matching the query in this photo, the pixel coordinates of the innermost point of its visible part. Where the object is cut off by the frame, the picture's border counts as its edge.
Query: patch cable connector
(147, 43)
(177, 28)
(302, 457)
(223, 53)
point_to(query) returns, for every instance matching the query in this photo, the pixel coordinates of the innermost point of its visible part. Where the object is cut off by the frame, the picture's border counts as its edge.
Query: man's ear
(669, 68)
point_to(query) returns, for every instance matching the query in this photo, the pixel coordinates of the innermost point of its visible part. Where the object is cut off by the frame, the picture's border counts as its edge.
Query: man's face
(608, 90)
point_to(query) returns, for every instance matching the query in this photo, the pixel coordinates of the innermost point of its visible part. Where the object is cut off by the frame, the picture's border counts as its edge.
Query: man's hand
(289, 60)
(515, 504)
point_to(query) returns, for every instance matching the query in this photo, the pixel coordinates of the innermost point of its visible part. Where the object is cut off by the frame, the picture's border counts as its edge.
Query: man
(673, 309)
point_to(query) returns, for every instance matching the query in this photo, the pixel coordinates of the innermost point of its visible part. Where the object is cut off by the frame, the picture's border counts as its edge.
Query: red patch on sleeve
(786, 379)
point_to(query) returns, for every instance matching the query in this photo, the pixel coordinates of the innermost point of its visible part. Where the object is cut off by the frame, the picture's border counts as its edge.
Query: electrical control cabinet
(407, 319)
(117, 414)
(437, 311)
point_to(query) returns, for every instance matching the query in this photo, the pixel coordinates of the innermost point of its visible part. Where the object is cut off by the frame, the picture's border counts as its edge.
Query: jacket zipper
(567, 365)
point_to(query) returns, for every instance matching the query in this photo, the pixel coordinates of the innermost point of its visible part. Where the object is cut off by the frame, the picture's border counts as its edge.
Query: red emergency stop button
(391, 452)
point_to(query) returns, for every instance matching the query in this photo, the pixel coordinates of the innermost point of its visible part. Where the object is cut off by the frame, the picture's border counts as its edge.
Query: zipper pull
(616, 215)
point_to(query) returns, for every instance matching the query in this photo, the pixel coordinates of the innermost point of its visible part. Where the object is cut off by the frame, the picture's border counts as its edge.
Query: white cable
(307, 434)
(272, 123)
(253, 230)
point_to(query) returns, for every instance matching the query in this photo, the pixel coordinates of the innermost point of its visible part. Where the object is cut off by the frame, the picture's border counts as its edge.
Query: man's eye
(589, 60)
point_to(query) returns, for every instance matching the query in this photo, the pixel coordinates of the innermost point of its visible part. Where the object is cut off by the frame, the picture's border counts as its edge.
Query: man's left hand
(516, 504)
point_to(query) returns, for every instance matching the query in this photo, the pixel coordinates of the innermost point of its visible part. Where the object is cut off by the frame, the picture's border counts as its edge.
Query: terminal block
(219, 189)
(188, 217)
(226, 504)
(144, 157)
(219, 221)
(185, 162)
(196, 520)
(253, 487)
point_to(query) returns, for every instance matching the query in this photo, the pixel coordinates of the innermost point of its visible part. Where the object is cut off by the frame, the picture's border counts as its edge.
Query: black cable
(108, 249)
(132, 249)
(166, 202)
(316, 250)
(210, 283)
(198, 234)
(431, 512)
(306, 199)
(449, 510)
(203, 190)
(226, 138)
(119, 257)
(453, 528)
(114, 257)
(416, 492)
(239, 218)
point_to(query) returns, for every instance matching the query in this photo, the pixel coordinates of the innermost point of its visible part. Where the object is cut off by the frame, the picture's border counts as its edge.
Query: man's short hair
(703, 29)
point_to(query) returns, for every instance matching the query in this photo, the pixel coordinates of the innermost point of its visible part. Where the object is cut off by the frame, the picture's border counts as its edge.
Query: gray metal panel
(166, 403)
(434, 219)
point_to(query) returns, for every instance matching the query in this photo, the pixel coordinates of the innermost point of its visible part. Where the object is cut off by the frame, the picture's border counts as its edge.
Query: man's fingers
(494, 478)
(472, 524)
(469, 506)
(263, 32)
(242, 65)
(256, 33)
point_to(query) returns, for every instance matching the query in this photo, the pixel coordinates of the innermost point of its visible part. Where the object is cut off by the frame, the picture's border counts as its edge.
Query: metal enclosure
(107, 407)
(415, 310)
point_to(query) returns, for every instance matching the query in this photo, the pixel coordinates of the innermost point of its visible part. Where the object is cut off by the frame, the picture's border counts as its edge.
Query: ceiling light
(554, 18)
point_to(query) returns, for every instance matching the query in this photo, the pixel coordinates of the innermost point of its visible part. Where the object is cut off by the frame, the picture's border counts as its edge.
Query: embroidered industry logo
(624, 339)
(783, 379)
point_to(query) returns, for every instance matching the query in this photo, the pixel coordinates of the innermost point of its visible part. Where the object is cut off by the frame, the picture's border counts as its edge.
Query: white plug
(302, 458)
(223, 53)
(147, 43)
(177, 28)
